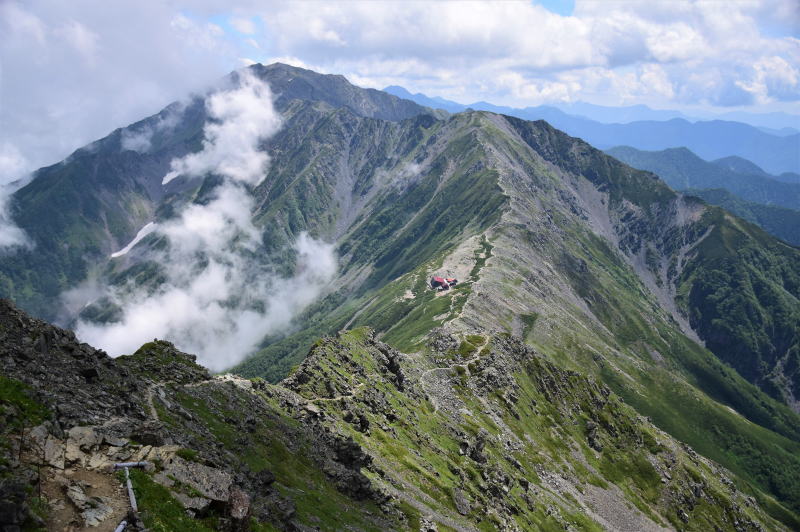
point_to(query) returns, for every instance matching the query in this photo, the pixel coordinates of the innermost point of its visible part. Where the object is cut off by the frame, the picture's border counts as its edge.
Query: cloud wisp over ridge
(219, 298)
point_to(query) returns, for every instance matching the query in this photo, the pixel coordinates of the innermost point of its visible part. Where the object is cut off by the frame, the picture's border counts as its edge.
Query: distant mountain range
(781, 222)
(714, 139)
(681, 169)
(776, 123)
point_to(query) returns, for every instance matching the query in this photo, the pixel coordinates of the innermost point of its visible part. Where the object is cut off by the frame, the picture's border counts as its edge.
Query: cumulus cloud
(243, 25)
(72, 72)
(241, 119)
(219, 297)
(521, 54)
(772, 77)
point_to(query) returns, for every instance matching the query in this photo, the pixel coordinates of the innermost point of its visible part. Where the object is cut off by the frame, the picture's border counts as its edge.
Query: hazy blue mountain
(621, 114)
(789, 177)
(741, 166)
(776, 121)
(783, 132)
(733, 183)
(709, 140)
(433, 103)
(681, 169)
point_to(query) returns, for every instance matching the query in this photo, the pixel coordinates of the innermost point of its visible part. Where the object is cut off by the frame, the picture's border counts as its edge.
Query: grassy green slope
(742, 293)
(761, 320)
(632, 326)
(454, 198)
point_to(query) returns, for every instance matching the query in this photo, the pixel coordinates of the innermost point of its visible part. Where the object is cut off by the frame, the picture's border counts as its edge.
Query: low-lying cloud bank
(11, 235)
(219, 298)
(12, 177)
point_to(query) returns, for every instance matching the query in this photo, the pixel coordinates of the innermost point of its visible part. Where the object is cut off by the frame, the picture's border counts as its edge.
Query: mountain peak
(740, 165)
(295, 83)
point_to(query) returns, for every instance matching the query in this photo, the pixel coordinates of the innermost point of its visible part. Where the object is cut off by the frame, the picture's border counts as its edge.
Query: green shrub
(476, 339)
(187, 454)
(466, 349)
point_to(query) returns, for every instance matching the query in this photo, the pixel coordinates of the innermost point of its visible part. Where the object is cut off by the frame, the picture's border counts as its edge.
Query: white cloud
(243, 25)
(11, 235)
(79, 37)
(13, 175)
(243, 117)
(219, 298)
(773, 77)
(71, 72)
(220, 311)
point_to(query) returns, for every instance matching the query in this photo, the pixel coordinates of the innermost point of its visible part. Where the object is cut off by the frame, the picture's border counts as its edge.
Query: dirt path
(65, 516)
(430, 389)
(148, 397)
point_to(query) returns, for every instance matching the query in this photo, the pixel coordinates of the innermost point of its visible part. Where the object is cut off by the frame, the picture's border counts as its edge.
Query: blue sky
(562, 7)
(74, 71)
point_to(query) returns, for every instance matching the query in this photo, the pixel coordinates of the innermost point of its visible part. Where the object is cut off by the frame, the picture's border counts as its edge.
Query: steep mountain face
(352, 440)
(596, 266)
(777, 221)
(78, 212)
(735, 184)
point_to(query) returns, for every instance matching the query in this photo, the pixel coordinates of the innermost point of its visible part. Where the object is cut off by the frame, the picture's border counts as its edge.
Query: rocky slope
(225, 453)
(480, 434)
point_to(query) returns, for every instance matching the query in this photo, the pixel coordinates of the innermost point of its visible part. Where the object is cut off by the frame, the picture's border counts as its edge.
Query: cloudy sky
(71, 72)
